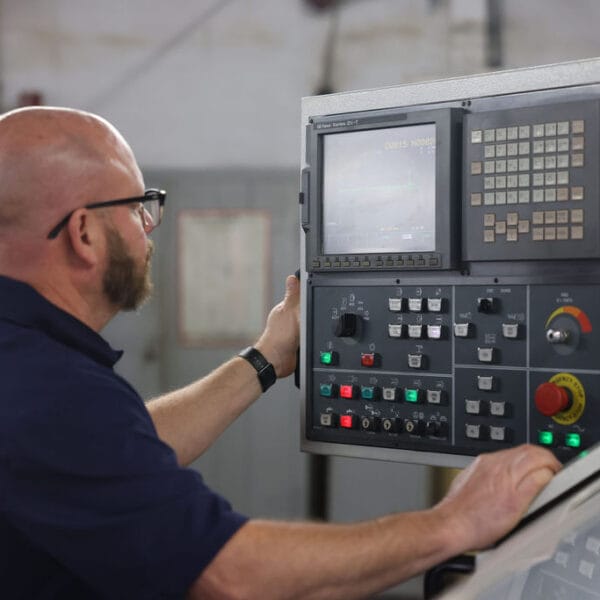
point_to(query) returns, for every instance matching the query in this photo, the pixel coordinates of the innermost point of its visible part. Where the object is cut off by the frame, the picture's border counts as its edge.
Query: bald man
(95, 497)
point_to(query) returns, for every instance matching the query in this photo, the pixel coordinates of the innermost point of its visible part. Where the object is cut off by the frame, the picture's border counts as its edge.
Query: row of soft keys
(373, 392)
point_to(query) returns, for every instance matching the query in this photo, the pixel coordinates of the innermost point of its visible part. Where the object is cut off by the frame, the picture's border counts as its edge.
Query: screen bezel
(448, 132)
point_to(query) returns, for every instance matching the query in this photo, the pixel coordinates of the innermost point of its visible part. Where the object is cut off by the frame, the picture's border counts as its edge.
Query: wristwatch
(264, 369)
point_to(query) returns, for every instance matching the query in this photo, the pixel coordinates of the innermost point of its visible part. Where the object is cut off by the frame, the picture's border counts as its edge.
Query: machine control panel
(452, 277)
(479, 374)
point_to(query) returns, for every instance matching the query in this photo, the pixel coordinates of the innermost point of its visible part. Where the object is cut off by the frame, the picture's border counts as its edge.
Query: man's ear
(86, 237)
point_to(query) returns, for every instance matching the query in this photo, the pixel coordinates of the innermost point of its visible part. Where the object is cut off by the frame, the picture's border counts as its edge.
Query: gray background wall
(208, 94)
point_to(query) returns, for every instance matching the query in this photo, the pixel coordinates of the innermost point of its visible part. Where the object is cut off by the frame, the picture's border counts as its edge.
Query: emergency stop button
(551, 399)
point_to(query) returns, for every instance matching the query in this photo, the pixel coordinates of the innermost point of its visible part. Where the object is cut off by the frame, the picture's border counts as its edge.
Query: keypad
(525, 165)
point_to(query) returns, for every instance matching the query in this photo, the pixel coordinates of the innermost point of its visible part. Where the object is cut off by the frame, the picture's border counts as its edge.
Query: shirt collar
(21, 304)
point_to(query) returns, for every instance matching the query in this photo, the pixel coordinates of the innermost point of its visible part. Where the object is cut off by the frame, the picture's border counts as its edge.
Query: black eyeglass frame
(150, 195)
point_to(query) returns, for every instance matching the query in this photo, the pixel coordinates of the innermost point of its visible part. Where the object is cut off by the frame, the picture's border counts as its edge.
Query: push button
(462, 330)
(546, 438)
(348, 421)
(415, 331)
(416, 361)
(327, 358)
(391, 425)
(473, 407)
(434, 304)
(485, 383)
(510, 330)
(413, 395)
(328, 390)
(396, 304)
(475, 432)
(498, 434)
(389, 393)
(485, 355)
(572, 440)
(498, 408)
(415, 304)
(328, 419)
(434, 397)
(369, 359)
(414, 427)
(437, 429)
(434, 332)
(369, 423)
(487, 305)
(347, 391)
(396, 330)
(369, 392)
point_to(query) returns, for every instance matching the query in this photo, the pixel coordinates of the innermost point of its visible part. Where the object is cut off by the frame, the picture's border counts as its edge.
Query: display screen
(379, 190)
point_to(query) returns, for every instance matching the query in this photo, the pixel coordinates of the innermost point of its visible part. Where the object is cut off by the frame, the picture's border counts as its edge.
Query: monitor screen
(379, 189)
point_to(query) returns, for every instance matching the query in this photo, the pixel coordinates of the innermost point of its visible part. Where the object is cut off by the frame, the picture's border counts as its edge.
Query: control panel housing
(451, 267)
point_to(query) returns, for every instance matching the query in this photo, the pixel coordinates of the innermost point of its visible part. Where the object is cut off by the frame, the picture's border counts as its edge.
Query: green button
(326, 390)
(326, 358)
(546, 438)
(573, 440)
(411, 395)
(367, 392)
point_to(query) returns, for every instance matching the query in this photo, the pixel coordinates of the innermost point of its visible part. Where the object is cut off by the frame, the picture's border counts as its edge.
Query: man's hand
(281, 336)
(489, 498)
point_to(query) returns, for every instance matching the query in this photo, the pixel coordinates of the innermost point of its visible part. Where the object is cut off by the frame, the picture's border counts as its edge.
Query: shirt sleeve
(90, 482)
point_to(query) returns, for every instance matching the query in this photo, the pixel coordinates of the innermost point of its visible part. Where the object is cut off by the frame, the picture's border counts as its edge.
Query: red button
(346, 391)
(550, 399)
(367, 360)
(347, 421)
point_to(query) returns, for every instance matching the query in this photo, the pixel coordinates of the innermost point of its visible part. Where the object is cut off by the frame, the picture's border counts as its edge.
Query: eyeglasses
(151, 209)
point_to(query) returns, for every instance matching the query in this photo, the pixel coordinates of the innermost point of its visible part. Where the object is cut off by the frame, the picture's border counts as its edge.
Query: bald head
(53, 160)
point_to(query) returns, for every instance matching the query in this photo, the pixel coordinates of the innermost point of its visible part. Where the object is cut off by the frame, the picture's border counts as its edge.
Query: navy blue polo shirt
(92, 503)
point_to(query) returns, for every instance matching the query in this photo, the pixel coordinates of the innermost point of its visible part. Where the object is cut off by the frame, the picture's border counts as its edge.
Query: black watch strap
(264, 369)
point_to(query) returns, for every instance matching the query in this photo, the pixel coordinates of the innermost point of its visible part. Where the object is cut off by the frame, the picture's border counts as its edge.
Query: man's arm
(192, 418)
(271, 560)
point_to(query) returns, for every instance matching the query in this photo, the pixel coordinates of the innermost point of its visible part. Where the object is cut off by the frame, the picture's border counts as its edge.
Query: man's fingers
(534, 482)
(292, 289)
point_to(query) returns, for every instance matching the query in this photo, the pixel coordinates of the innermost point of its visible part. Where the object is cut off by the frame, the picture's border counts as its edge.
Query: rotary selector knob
(346, 325)
(551, 399)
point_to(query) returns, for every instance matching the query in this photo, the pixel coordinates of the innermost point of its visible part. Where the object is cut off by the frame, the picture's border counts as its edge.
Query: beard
(126, 284)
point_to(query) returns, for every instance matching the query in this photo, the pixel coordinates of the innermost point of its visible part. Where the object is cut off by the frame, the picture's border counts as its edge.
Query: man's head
(54, 162)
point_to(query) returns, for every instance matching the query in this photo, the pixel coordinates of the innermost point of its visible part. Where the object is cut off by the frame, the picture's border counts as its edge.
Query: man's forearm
(190, 419)
(271, 560)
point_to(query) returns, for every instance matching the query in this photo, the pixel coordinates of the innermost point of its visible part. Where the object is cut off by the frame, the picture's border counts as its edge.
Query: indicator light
(347, 391)
(546, 438)
(411, 395)
(326, 358)
(583, 454)
(572, 440)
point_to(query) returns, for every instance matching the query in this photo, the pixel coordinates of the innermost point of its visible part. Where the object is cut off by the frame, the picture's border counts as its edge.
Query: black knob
(346, 325)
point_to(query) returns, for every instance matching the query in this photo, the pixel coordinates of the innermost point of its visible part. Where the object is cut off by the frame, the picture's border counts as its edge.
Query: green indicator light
(326, 390)
(546, 438)
(411, 395)
(573, 440)
(367, 392)
(326, 358)
(583, 454)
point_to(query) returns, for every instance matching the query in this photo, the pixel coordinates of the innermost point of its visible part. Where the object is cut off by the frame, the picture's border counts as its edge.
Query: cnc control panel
(451, 276)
